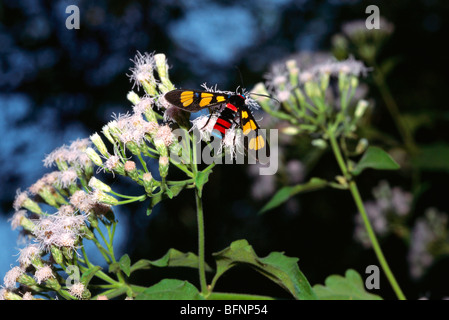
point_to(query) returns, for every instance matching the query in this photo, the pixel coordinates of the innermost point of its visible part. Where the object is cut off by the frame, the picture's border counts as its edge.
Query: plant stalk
(358, 201)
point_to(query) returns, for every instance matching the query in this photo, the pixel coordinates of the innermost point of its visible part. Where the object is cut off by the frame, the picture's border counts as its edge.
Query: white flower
(144, 66)
(11, 277)
(43, 274)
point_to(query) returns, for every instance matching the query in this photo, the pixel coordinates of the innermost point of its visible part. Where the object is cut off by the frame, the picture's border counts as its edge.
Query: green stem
(143, 163)
(200, 220)
(201, 263)
(126, 196)
(358, 201)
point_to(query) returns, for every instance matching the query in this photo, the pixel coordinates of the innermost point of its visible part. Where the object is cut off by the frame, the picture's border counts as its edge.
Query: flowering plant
(324, 102)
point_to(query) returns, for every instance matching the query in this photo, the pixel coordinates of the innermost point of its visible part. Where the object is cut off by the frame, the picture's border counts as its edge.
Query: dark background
(57, 85)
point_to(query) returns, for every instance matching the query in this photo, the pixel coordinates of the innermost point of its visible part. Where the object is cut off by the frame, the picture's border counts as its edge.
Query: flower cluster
(387, 212)
(54, 237)
(66, 207)
(315, 96)
(356, 37)
(429, 241)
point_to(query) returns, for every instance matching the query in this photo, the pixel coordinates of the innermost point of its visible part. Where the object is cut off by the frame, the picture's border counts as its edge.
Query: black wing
(194, 100)
(255, 141)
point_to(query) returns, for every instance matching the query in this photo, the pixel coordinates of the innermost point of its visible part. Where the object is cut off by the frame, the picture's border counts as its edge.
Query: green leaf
(170, 193)
(87, 276)
(201, 179)
(375, 158)
(173, 258)
(350, 287)
(434, 157)
(170, 289)
(276, 266)
(286, 193)
(125, 264)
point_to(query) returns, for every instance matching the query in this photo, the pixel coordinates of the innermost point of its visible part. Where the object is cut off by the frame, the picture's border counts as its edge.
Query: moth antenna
(241, 78)
(264, 95)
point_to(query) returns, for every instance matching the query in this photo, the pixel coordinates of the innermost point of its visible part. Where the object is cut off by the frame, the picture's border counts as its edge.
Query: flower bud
(67, 253)
(361, 146)
(319, 143)
(94, 183)
(85, 231)
(23, 201)
(360, 109)
(133, 147)
(162, 70)
(27, 224)
(8, 295)
(107, 133)
(312, 89)
(133, 97)
(131, 170)
(149, 87)
(26, 280)
(163, 166)
(148, 180)
(98, 142)
(103, 197)
(57, 255)
(94, 156)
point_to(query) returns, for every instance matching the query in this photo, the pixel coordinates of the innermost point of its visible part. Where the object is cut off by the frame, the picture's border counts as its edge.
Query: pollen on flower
(67, 178)
(147, 177)
(66, 239)
(21, 197)
(17, 217)
(60, 154)
(27, 254)
(81, 201)
(165, 135)
(43, 274)
(131, 128)
(80, 144)
(27, 296)
(77, 290)
(151, 127)
(145, 104)
(163, 161)
(74, 154)
(37, 186)
(143, 68)
(51, 178)
(11, 277)
(66, 210)
(130, 166)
